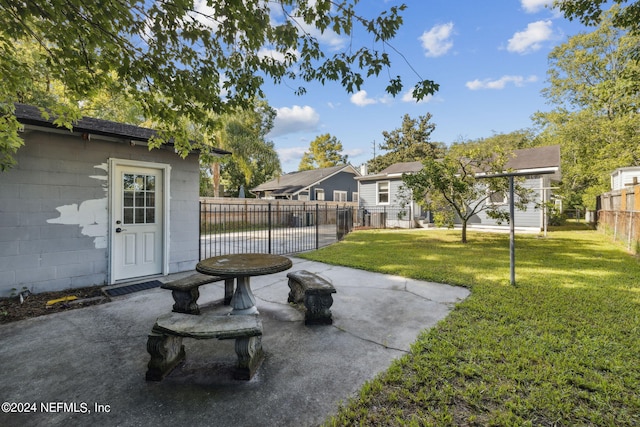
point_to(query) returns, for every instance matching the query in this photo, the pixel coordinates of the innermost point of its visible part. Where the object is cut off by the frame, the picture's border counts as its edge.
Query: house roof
(294, 182)
(30, 115)
(535, 158)
(531, 161)
(395, 170)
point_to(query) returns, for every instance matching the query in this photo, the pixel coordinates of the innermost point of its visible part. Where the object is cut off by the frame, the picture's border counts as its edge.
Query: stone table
(242, 267)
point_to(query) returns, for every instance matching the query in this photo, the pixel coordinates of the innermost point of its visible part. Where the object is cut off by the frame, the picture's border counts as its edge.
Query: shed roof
(30, 115)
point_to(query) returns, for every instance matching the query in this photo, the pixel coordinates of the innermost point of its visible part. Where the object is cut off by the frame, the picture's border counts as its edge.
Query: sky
(489, 58)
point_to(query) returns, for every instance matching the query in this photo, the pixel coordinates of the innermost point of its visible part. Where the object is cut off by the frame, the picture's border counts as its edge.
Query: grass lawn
(561, 348)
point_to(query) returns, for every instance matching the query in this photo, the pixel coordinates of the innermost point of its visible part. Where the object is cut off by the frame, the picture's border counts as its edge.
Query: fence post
(269, 227)
(317, 227)
(199, 231)
(630, 230)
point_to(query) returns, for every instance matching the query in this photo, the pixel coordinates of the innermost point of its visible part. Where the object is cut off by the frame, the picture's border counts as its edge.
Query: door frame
(113, 182)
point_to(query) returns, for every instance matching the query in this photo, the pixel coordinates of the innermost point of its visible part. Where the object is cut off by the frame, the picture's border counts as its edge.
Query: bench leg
(296, 292)
(318, 309)
(250, 355)
(186, 301)
(166, 352)
(228, 291)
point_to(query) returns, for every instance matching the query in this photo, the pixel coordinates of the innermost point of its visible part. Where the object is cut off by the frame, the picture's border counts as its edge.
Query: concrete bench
(186, 291)
(315, 292)
(165, 341)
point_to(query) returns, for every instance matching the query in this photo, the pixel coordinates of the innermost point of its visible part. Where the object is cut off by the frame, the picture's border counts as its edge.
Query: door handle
(119, 230)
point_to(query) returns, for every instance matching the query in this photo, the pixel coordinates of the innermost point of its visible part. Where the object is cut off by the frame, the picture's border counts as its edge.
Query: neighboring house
(540, 167)
(625, 177)
(334, 184)
(383, 197)
(94, 206)
(383, 192)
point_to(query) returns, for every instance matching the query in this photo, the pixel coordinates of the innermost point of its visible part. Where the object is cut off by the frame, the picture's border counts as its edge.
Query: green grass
(561, 348)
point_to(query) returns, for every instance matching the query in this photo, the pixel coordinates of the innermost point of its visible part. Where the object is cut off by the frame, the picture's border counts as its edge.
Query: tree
(596, 70)
(595, 85)
(181, 60)
(454, 185)
(324, 152)
(589, 12)
(408, 143)
(254, 160)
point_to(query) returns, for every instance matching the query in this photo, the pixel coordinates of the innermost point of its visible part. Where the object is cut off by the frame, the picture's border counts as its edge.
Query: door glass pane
(128, 199)
(128, 181)
(151, 215)
(128, 216)
(139, 215)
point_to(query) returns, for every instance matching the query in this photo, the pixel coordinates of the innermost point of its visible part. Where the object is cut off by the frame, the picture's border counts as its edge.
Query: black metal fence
(275, 228)
(385, 217)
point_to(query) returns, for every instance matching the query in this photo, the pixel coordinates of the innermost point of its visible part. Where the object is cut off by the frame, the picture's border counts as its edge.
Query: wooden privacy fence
(619, 216)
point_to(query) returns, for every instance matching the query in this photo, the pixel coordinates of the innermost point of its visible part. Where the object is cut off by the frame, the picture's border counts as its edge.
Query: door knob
(119, 230)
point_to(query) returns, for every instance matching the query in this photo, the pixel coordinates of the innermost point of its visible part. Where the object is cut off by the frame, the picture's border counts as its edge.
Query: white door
(137, 222)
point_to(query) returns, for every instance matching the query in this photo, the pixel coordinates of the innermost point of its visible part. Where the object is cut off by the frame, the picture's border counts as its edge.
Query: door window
(139, 199)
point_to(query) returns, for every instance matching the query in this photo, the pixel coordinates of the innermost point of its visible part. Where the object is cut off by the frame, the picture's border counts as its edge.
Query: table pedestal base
(243, 301)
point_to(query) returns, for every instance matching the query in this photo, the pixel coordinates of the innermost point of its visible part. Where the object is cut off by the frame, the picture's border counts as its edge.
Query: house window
(355, 197)
(383, 192)
(339, 196)
(498, 198)
(303, 196)
(319, 194)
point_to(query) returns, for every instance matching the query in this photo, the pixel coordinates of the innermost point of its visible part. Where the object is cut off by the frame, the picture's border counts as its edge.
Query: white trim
(343, 193)
(113, 182)
(378, 202)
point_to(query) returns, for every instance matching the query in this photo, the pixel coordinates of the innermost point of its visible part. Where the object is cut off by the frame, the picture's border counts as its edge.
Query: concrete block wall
(38, 251)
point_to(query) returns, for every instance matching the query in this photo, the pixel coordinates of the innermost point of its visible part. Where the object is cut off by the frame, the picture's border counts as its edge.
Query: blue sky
(489, 57)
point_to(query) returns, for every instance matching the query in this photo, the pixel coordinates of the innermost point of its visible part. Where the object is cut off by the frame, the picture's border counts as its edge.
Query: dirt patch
(35, 305)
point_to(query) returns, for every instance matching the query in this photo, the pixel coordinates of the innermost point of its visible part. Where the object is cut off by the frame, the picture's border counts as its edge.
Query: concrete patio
(87, 366)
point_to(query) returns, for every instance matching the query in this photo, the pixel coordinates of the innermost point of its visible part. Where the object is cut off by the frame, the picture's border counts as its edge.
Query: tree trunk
(464, 231)
(215, 178)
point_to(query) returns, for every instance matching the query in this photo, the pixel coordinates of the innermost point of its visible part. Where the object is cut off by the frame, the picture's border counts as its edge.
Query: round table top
(243, 265)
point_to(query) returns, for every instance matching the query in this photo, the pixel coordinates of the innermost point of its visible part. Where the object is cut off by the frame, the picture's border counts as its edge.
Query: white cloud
(499, 84)
(533, 6)
(294, 119)
(361, 99)
(437, 41)
(531, 39)
(408, 97)
(278, 56)
(292, 154)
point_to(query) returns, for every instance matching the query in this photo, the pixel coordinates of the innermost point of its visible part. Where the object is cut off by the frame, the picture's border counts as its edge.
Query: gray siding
(531, 217)
(342, 181)
(55, 170)
(369, 193)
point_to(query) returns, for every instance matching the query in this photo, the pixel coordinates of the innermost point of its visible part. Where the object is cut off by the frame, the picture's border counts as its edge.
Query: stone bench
(186, 291)
(315, 292)
(165, 341)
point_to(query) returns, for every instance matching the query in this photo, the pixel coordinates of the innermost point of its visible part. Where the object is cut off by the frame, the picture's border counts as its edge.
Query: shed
(95, 206)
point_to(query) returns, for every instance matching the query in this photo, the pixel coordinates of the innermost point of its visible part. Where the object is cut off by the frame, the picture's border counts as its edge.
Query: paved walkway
(74, 363)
